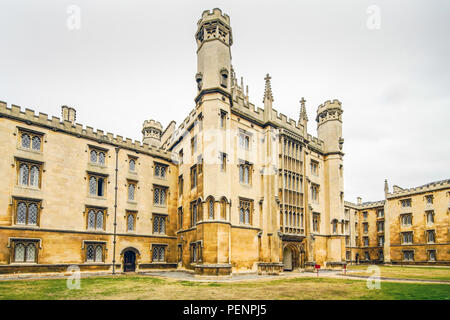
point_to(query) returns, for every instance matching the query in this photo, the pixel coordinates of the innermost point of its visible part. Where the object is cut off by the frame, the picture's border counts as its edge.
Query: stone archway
(130, 256)
(292, 256)
(287, 259)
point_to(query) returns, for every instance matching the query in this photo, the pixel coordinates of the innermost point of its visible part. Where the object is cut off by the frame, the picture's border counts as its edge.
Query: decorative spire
(386, 186)
(303, 115)
(268, 89)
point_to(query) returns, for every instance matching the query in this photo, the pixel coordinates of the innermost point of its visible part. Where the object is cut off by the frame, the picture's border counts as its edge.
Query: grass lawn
(423, 273)
(146, 287)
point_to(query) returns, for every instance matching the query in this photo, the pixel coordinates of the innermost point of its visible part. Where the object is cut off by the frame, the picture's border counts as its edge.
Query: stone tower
(214, 40)
(329, 130)
(151, 132)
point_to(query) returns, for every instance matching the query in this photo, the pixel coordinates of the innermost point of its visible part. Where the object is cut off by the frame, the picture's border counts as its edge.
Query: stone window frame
(19, 162)
(246, 204)
(223, 161)
(160, 167)
(378, 240)
(406, 203)
(181, 156)
(210, 203)
(366, 241)
(365, 227)
(194, 176)
(314, 167)
(133, 214)
(13, 241)
(156, 223)
(315, 190)
(245, 138)
(427, 214)
(428, 197)
(405, 215)
(196, 251)
(21, 131)
(161, 190)
(429, 251)
(410, 251)
(97, 177)
(180, 185)
(180, 217)
(38, 202)
(380, 216)
(135, 160)
(133, 183)
(97, 210)
(427, 235)
(194, 145)
(316, 222)
(380, 223)
(98, 151)
(246, 168)
(159, 246)
(402, 238)
(179, 252)
(95, 244)
(223, 119)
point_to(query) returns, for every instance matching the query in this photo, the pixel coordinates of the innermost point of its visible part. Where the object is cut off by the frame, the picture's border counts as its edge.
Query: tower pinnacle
(268, 89)
(303, 115)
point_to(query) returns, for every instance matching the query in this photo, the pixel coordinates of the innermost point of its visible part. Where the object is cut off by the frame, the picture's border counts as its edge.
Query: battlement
(335, 104)
(56, 124)
(152, 124)
(365, 205)
(216, 13)
(437, 185)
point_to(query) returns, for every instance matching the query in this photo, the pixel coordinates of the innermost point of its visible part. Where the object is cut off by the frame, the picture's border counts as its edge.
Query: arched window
(101, 157)
(34, 176)
(290, 218)
(19, 252)
(90, 253)
(31, 252)
(99, 224)
(247, 216)
(132, 165)
(92, 185)
(131, 191)
(26, 141)
(32, 214)
(93, 156)
(130, 222)
(91, 219)
(241, 215)
(36, 143)
(21, 213)
(98, 254)
(23, 173)
(211, 209)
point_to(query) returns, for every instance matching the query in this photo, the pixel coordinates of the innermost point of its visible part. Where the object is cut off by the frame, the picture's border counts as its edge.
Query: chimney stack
(359, 200)
(68, 114)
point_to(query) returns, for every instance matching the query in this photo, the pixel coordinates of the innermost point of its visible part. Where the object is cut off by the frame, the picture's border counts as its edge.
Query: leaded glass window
(92, 185)
(246, 175)
(34, 176)
(99, 224)
(31, 252)
(27, 212)
(132, 165)
(163, 172)
(156, 196)
(244, 211)
(130, 222)
(241, 173)
(247, 216)
(19, 252)
(24, 174)
(98, 254)
(21, 213)
(32, 214)
(36, 143)
(160, 170)
(90, 253)
(101, 157)
(159, 224)
(93, 156)
(157, 168)
(131, 191)
(158, 253)
(26, 141)
(211, 209)
(91, 219)
(159, 196)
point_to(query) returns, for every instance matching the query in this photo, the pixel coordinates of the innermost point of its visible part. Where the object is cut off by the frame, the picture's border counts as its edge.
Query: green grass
(420, 273)
(145, 287)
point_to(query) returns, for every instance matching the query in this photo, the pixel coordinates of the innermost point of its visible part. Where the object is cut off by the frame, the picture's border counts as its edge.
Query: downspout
(115, 212)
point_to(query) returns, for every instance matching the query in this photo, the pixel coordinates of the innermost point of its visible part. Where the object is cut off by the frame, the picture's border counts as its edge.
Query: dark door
(129, 261)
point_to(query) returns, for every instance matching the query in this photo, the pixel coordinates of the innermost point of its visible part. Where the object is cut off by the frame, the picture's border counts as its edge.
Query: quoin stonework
(234, 188)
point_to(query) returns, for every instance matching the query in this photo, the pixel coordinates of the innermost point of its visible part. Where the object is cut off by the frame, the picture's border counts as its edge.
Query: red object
(317, 266)
(345, 269)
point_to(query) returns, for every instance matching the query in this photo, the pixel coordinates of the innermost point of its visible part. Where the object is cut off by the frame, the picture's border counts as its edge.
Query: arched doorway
(129, 261)
(287, 259)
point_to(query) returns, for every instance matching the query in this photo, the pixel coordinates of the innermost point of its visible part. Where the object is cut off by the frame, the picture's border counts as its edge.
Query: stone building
(234, 188)
(409, 227)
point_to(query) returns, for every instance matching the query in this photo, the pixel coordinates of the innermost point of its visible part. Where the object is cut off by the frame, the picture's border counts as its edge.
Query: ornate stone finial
(268, 89)
(386, 186)
(303, 114)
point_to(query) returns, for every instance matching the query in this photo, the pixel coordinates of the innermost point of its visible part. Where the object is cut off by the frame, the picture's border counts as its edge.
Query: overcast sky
(135, 60)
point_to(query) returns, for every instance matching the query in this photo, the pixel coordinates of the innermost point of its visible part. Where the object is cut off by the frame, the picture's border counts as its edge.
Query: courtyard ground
(138, 287)
(405, 272)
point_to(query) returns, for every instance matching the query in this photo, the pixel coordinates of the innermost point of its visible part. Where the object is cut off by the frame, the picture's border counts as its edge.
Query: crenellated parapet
(214, 25)
(28, 116)
(330, 110)
(433, 186)
(364, 205)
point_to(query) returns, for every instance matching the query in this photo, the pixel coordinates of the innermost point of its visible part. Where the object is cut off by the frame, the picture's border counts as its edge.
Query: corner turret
(152, 131)
(329, 125)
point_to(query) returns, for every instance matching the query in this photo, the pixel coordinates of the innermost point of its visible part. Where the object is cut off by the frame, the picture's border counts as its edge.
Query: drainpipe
(115, 212)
